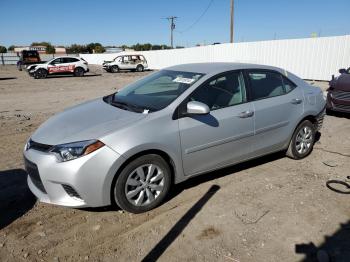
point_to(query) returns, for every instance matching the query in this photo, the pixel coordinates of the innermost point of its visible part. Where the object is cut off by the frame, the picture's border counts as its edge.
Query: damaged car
(126, 62)
(338, 96)
(60, 65)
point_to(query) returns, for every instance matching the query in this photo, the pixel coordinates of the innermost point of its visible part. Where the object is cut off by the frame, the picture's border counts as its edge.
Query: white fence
(309, 58)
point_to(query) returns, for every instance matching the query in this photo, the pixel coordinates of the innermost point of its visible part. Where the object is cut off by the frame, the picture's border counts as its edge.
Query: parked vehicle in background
(126, 62)
(128, 148)
(28, 57)
(338, 96)
(59, 65)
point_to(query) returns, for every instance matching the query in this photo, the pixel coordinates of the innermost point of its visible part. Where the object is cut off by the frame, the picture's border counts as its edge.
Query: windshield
(154, 92)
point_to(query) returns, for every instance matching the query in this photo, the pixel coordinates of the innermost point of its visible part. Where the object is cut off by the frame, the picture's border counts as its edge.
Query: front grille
(38, 146)
(33, 173)
(70, 191)
(341, 95)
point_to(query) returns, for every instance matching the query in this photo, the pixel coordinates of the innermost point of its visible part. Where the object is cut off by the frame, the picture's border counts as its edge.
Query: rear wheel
(115, 69)
(142, 184)
(139, 68)
(79, 72)
(302, 141)
(40, 73)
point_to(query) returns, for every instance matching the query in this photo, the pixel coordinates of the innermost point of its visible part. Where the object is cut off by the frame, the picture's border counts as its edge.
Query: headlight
(70, 151)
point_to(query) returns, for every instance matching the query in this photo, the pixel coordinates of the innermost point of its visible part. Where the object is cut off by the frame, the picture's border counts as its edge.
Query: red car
(338, 97)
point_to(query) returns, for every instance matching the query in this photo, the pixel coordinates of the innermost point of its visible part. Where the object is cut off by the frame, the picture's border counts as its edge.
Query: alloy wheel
(144, 185)
(303, 140)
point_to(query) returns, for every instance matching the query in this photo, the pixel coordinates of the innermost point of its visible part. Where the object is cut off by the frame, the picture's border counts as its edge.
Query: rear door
(223, 136)
(278, 105)
(69, 64)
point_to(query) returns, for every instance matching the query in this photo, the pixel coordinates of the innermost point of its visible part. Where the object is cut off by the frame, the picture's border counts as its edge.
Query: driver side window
(56, 61)
(225, 90)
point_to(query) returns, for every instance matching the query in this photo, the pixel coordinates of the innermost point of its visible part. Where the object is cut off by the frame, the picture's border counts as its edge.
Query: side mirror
(342, 71)
(197, 108)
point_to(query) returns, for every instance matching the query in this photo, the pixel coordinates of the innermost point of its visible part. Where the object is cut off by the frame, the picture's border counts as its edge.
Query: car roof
(129, 55)
(66, 57)
(216, 67)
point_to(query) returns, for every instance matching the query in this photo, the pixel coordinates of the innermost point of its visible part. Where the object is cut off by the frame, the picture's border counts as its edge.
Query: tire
(41, 73)
(114, 69)
(302, 141)
(140, 68)
(143, 193)
(79, 72)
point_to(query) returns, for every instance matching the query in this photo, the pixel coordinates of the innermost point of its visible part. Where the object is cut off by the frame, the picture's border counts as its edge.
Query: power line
(198, 19)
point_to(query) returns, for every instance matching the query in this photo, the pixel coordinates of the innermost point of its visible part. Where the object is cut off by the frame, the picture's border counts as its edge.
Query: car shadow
(63, 76)
(338, 114)
(15, 196)
(334, 248)
(179, 226)
(7, 78)
(197, 180)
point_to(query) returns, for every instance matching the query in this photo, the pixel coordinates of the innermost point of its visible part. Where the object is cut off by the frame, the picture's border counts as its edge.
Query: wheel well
(161, 153)
(311, 118)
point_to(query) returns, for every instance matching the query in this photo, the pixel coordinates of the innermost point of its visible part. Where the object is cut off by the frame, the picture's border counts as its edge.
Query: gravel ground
(269, 209)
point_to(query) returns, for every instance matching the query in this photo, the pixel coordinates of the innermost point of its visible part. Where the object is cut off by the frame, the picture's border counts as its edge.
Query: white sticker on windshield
(183, 80)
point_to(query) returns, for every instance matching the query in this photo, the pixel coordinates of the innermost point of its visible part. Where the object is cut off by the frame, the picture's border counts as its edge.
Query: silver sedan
(130, 147)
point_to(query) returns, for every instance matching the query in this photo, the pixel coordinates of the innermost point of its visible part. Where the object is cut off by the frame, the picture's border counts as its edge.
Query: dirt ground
(269, 209)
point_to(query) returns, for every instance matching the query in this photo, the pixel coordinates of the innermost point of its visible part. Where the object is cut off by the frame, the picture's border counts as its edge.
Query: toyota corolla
(130, 147)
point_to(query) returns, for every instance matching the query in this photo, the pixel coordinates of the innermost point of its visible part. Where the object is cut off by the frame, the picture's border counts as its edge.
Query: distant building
(41, 49)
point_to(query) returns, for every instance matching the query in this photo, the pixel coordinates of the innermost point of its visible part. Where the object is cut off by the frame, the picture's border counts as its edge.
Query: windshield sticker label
(184, 80)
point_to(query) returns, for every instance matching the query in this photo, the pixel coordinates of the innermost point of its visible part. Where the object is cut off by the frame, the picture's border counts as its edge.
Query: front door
(223, 136)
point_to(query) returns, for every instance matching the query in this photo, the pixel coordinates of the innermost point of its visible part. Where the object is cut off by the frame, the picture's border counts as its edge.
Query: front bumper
(105, 67)
(82, 182)
(338, 101)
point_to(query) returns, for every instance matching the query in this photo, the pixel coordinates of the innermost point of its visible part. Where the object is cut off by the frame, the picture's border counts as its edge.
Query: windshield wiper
(127, 106)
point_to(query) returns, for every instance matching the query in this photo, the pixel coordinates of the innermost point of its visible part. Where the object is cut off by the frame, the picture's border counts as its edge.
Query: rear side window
(265, 84)
(288, 85)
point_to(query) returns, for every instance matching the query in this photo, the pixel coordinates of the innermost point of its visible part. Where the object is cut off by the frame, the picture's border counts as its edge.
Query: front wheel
(40, 73)
(79, 72)
(142, 184)
(114, 69)
(302, 141)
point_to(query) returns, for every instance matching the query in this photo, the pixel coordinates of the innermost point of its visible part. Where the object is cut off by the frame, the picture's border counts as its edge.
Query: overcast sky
(127, 22)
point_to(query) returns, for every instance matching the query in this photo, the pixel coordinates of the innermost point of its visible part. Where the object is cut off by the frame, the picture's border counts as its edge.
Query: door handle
(296, 101)
(246, 114)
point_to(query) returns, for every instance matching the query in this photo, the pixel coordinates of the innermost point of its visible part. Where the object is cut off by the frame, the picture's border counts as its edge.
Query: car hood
(90, 120)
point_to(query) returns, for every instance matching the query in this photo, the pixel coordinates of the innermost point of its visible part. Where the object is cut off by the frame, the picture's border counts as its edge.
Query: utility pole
(172, 27)
(231, 23)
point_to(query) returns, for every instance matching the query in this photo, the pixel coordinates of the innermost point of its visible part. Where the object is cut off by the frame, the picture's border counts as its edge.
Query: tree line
(91, 48)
